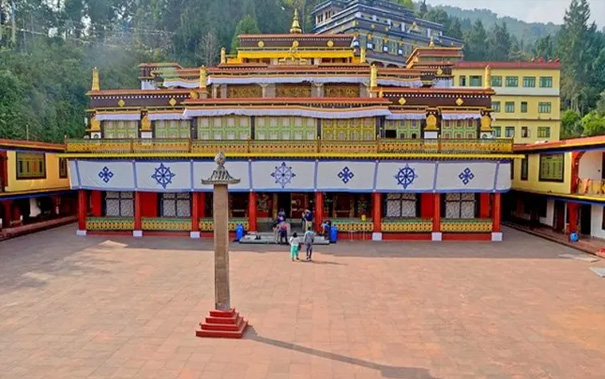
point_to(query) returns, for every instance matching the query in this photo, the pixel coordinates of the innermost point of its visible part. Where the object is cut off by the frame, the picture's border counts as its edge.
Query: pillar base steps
(223, 324)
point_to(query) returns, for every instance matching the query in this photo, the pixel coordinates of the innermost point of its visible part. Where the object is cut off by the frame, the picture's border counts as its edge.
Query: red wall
(484, 206)
(96, 200)
(149, 201)
(427, 205)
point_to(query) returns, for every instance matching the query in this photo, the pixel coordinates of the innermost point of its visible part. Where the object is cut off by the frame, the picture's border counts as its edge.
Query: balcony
(591, 187)
(312, 147)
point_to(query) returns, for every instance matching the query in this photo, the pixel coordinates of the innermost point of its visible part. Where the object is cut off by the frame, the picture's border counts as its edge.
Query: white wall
(550, 214)
(597, 222)
(590, 165)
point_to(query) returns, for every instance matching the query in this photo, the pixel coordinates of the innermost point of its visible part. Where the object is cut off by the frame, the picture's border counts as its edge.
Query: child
(308, 239)
(294, 245)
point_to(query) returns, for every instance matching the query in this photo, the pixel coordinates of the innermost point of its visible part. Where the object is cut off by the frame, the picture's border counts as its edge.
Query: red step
(227, 327)
(222, 320)
(237, 333)
(228, 313)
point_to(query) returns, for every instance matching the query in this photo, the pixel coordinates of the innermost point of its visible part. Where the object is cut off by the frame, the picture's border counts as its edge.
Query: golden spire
(362, 55)
(295, 28)
(487, 79)
(223, 55)
(432, 43)
(203, 77)
(96, 84)
(373, 76)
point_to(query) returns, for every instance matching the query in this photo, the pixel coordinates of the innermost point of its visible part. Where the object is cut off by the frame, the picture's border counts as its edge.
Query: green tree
(593, 124)
(455, 29)
(475, 43)
(246, 25)
(570, 124)
(423, 9)
(499, 43)
(544, 47)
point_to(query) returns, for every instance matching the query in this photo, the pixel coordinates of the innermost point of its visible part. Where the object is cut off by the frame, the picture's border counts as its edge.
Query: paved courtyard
(84, 307)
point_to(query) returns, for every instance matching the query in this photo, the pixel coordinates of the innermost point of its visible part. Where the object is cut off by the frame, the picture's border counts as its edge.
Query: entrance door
(283, 202)
(559, 221)
(585, 219)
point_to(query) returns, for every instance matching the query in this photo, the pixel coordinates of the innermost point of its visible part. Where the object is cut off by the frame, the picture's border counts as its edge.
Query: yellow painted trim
(293, 155)
(566, 195)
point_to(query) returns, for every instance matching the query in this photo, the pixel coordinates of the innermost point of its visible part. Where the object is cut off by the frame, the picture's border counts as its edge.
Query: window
(546, 82)
(460, 205)
(62, 168)
(512, 81)
(31, 165)
(175, 205)
(172, 129)
(462, 81)
(497, 131)
(475, 81)
(120, 129)
(496, 81)
(496, 106)
(524, 107)
(544, 107)
(529, 81)
(543, 132)
(119, 204)
(524, 169)
(552, 167)
(509, 107)
(524, 132)
(509, 132)
(401, 205)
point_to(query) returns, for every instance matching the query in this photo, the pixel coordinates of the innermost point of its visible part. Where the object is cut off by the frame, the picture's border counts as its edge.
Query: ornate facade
(385, 153)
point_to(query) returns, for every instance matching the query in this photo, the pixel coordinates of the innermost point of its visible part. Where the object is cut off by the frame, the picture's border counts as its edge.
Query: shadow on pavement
(386, 371)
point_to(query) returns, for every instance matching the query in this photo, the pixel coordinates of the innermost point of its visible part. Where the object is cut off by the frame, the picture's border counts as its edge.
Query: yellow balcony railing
(378, 146)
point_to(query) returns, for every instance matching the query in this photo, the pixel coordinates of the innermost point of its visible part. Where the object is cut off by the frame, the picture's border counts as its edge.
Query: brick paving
(99, 307)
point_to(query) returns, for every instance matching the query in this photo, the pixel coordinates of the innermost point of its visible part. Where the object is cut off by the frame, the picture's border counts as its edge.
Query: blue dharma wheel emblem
(466, 176)
(163, 176)
(283, 175)
(105, 174)
(406, 176)
(346, 175)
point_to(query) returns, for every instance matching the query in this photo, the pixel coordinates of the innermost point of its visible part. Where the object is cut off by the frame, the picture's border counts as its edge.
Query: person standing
(309, 239)
(294, 247)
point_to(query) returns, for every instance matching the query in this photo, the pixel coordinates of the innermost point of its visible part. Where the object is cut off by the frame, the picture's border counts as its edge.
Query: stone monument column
(223, 321)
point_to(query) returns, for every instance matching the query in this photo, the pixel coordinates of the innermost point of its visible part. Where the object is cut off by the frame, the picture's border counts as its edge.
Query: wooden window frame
(19, 158)
(542, 179)
(524, 168)
(63, 168)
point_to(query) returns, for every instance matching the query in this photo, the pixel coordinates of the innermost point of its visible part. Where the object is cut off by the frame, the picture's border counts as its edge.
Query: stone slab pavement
(102, 307)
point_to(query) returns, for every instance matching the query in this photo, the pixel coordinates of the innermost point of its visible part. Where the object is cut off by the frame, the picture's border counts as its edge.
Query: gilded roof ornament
(362, 55)
(223, 55)
(373, 76)
(295, 28)
(203, 77)
(96, 83)
(432, 43)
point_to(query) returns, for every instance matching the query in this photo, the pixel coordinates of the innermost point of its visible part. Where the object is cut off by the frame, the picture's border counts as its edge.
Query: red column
(427, 205)
(496, 213)
(319, 210)
(137, 212)
(484, 211)
(377, 212)
(82, 209)
(7, 216)
(572, 209)
(96, 200)
(195, 211)
(437, 213)
(252, 205)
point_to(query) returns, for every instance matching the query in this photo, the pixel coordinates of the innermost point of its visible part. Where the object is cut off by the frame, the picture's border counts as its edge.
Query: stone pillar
(319, 211)
(138, 224)
(436, 235)
(220, 209)
(82, 212)
(223, 320)
(252, 205)
(377, 216)
(195, 215)
(496, 215)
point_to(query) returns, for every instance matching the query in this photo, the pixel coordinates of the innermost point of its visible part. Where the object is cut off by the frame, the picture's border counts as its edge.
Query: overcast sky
(529, 10)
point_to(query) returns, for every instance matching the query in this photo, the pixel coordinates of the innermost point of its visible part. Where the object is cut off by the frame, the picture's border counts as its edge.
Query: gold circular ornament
(330, 43)
(261, 44)
(402, 101)
(295, 43)
(439, 71)
(459, 101)
(431, 122)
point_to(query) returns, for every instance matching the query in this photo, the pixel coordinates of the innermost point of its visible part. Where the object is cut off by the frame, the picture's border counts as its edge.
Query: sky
(529, 10)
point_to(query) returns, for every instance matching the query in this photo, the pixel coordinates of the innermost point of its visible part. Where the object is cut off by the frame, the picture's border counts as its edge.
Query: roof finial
(432, 43)
(295, 28)
(96, 83)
